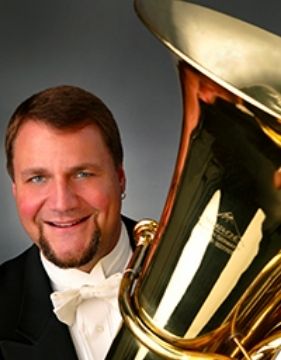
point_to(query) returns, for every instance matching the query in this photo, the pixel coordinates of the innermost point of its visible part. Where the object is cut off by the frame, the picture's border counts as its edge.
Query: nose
(62, 196)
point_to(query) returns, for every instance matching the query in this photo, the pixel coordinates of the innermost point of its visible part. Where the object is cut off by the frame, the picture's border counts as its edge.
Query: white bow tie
(66, 302)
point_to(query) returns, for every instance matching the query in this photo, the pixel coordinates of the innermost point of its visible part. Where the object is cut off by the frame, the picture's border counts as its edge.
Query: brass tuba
(205, 283)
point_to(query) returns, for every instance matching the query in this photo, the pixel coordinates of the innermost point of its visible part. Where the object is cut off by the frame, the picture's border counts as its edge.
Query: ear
(14, 189)
(121, 177)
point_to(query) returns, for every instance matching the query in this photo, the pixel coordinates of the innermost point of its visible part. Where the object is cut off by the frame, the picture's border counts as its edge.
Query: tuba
(205, 283)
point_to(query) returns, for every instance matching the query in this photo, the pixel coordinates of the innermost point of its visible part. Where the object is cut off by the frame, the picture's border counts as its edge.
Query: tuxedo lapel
(36, 305)
(130, 224)
(54, 343)
(41, 335)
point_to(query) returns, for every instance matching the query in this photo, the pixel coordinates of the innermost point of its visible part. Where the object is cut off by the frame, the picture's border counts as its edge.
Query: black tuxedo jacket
(29, 329)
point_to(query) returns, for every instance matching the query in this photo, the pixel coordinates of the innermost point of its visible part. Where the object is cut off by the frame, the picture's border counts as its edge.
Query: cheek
(26, 209)
(27, 206)
(103, 198)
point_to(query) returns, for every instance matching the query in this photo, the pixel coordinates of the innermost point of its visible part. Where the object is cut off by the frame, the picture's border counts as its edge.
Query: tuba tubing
(205, 283)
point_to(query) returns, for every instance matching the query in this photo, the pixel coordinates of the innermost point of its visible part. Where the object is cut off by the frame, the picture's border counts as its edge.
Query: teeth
(64, 225)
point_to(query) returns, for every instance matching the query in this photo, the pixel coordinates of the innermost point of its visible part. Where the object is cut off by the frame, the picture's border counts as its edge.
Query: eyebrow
(32, 171)
(40, 170)
(91, 166)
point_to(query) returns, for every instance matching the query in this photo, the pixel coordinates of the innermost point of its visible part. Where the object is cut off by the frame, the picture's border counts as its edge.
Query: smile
(68, 224)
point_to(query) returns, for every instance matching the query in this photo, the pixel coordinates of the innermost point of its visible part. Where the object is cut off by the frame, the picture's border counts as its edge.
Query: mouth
(67, 224)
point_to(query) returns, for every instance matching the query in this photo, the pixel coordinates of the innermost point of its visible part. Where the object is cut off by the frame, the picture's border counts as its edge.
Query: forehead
(37, 137)
(39, 129)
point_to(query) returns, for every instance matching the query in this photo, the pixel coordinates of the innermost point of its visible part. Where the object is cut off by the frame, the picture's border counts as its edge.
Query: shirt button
(99, 328)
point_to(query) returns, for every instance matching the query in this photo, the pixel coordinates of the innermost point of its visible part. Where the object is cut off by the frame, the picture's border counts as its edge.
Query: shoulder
(14, 267)
(13, 276)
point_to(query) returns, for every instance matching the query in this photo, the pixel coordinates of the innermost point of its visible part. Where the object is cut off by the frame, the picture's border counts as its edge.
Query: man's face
(68, 193)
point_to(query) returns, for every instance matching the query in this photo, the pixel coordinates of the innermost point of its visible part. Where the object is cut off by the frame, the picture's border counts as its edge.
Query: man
(59, 298)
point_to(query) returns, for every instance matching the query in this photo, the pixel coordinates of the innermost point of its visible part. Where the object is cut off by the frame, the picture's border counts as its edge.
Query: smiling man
(65, 159)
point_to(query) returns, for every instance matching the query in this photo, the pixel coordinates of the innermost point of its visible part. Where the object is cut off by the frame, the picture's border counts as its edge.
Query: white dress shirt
(97, 320)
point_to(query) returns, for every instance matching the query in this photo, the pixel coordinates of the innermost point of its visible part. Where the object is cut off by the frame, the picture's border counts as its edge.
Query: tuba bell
(205, 283)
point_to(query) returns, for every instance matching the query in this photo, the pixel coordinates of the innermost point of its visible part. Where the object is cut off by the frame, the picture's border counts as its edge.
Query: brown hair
(65, 107)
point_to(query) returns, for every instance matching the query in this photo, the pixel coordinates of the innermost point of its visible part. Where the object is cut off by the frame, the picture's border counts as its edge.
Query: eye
(37, 179)
(83, 174)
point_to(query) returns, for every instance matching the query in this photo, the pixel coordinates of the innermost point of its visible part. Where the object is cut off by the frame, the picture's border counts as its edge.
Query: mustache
(57, 216)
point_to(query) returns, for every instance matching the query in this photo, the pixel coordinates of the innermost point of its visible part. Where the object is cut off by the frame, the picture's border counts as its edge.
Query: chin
(73, 259)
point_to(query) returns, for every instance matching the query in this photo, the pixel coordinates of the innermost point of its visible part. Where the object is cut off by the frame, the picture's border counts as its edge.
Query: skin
(68, 193)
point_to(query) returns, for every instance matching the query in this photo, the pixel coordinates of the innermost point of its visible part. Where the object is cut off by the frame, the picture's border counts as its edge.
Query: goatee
(77, 260)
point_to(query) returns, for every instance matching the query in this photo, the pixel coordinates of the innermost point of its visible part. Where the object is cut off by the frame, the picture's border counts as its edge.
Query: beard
(77, 260)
